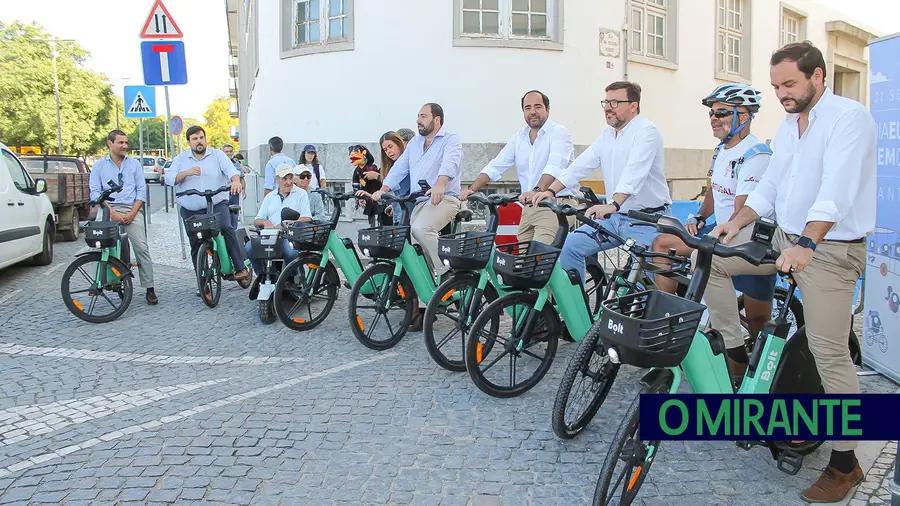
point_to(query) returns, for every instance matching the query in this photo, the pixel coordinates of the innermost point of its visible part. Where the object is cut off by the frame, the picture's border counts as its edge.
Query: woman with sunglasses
(316, 204)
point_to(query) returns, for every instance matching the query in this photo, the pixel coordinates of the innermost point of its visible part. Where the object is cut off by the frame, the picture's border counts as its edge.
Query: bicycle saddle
(464, 215)
(234, 209)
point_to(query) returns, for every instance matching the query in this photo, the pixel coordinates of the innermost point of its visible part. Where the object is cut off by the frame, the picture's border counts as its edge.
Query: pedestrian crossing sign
(140, 102)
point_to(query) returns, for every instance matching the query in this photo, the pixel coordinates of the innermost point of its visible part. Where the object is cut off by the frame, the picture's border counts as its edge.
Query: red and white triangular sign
(160, 25)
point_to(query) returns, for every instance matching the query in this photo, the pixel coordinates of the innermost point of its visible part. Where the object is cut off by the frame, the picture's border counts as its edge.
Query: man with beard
(541, 147)
(435, 156)
(203, 169)
(127, 203)
(630, 153)
(821, 183)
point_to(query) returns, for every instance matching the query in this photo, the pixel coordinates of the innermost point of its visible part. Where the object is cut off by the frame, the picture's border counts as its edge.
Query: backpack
(759, 149)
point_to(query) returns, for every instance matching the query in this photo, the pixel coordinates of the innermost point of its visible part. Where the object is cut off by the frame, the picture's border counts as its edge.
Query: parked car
(68, 188)
(153, 170)
(27, 221)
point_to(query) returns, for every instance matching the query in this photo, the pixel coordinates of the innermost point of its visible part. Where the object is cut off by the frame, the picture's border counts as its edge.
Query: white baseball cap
(284, 169)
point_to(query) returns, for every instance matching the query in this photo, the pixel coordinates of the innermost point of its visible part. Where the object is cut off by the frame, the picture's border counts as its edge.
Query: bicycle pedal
(789, 462)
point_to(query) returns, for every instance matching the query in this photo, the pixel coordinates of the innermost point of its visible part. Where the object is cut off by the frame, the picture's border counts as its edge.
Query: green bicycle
(307, 287)
(112, 273)
(472, 285)
(656, 330)
(212, 262)
(397, 275)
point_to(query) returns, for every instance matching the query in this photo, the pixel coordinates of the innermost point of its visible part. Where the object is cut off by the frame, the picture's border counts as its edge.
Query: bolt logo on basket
(366, 238)
(500, 261)
(615, 327)
(97, 232)
(445, 249)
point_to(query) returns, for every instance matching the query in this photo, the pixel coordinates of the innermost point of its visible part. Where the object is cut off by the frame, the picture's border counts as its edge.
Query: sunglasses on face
(720, 113)
(304, 176)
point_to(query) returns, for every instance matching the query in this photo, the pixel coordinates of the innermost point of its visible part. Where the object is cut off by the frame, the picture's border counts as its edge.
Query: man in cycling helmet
(738, 164)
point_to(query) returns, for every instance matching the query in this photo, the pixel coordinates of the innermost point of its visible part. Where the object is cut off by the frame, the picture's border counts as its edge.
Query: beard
(199, 150)
(801, 103)
(536, 122)
(426, 130)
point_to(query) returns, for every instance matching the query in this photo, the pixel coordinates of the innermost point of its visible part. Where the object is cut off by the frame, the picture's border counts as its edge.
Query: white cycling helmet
(735, 94)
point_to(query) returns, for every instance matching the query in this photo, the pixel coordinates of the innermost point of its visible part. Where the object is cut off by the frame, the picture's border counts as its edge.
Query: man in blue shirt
(127, 207)
(275, 147)
(434, 155)
(288, 196)
(205, 169)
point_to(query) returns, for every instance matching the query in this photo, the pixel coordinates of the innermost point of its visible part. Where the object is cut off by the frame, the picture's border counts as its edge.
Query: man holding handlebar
(821, 183)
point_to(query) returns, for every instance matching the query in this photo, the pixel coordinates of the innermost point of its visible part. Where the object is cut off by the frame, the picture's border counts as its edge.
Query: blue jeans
(231, 240)
(402, 191)
(761, 287)
(286, 249)
(234, 200)
(581, 244)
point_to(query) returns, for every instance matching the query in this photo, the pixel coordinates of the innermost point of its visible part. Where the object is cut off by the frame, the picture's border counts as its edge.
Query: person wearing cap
(287, 195)
(310, 160)
(316, 204)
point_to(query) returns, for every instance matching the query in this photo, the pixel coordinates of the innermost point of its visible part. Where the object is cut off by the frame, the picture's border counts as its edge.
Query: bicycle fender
(656, 375)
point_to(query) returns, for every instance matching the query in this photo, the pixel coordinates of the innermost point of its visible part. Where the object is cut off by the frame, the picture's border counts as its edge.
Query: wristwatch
(617, 205)
(806, 242)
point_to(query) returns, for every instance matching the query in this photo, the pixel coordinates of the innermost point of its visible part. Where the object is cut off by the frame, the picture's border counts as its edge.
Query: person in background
(392, 146)
(369, 179)
(310, 159)
(406, 134)
(127, 203)
(316, 204)
(235, 199)
(275, 147)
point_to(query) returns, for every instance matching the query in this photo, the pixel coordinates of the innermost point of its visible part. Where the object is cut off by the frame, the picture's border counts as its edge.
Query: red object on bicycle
(510, 216)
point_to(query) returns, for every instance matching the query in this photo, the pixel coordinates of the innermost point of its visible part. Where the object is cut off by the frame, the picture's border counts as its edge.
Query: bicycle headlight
(613, 355)
(447, 262)
(98, 244)
(199, 235)
(366, 251)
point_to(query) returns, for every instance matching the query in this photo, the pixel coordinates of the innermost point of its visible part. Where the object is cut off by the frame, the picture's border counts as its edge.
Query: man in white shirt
(287, 195)
(630, 152)
(541, 147)
(738, 164)
(821, 183)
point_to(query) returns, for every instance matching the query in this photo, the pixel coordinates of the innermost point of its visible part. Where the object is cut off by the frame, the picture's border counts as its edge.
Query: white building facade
(339, 72)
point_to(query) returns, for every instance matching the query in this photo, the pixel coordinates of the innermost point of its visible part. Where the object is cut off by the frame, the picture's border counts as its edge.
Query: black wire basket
(650, 328)
(525, 265)
(203, 226)
(308, 235)
(383, 242)
(101, 234)
(466, 251)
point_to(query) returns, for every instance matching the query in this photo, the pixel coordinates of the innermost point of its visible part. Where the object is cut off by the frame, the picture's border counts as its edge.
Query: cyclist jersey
(736, 171)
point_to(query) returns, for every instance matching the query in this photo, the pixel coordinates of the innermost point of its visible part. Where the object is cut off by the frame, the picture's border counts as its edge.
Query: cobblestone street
(182, 403)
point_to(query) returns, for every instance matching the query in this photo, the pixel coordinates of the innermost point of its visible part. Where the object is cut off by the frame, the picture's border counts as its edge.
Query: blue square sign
(164, 63)
(140, 102)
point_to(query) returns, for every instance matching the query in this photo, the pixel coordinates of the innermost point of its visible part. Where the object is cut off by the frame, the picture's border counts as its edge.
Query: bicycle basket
(266, 246)
(101, 234)
(383, 242)
(308, 235)
(524, 265)
(650, 328)
(467, 251)
(203, 226)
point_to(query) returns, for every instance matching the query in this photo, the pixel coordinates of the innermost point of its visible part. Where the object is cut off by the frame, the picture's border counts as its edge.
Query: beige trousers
(540, 223)
(426, 223)
(137, 233)
(827, 285)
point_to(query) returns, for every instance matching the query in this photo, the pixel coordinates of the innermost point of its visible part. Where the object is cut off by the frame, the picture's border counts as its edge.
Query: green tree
(27, 99)
(219, 123)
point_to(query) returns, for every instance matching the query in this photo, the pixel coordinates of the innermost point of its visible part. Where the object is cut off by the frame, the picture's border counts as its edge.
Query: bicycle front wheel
(209, 274)
(445, 338)
(303, 300)
(515, 358)
(97, 291)
(380, 297)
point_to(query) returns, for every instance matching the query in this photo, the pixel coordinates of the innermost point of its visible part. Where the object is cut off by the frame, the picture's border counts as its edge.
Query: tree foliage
(219, 123)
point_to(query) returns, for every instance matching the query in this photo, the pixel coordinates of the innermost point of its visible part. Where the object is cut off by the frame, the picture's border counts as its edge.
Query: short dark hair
(632, 90)
(545, 98)
(227, 146)
(276, 144)
(807, 56)
(437, 111)
(115, 133)
(193, 130)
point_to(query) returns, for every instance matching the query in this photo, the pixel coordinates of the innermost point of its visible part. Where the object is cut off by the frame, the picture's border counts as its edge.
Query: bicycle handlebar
(492, 202)
(208, 193)
(338, 197)
(105, 195)
(756, 253)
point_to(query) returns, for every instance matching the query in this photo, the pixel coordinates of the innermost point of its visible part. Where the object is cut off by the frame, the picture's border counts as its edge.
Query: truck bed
(65, 189)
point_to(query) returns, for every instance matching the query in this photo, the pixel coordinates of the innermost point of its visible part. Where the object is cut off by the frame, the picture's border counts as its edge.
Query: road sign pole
(169, 118)
(147, 219)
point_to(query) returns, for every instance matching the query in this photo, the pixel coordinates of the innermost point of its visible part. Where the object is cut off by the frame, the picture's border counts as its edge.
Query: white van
(27, 222)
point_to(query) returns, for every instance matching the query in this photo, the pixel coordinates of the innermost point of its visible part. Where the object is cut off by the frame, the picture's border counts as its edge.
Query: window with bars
(653, 25)
(507, 20)
(732, 37)
(316, 25)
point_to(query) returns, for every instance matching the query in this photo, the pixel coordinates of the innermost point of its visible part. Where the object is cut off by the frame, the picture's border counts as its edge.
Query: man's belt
(651, 210)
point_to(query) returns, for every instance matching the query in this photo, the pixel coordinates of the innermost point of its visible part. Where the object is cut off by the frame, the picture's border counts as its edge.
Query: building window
(653, 27)
(312, 26)
(508, 23)
(733, 39)
(793, 26)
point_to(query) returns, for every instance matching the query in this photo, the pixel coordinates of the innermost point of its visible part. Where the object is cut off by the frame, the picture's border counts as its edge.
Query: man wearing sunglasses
(630, 153)
(127, 206)
(738, 164)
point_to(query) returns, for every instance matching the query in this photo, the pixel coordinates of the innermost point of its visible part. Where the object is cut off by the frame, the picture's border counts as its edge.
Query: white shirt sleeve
(752, 173)
(587, 162)
(505, 159)
(647, 144)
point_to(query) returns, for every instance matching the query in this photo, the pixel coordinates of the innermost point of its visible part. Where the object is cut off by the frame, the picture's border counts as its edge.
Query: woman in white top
(310, 160)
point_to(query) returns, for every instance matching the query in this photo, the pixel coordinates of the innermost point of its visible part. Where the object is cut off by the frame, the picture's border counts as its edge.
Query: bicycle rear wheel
(209, 274)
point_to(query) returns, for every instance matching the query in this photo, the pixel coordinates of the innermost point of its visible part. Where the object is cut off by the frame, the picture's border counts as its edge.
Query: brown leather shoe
(832, 485)
(737, 371)
(151, 297)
